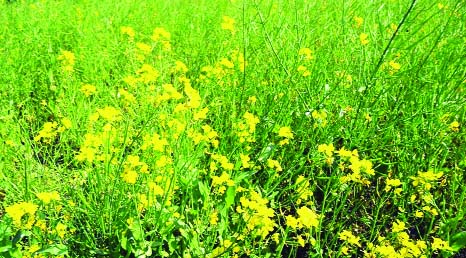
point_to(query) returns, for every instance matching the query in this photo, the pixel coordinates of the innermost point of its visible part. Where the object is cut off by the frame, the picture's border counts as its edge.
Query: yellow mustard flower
(274, 164)
(128, 31)
(88, 89)
(327, 149)
(348, 237)
(251, 121)
(252, 99)
(292, 222)
(300, 241)
(285, 132)
(147, 73)
(455, 126)
(303, 190)
(129, 176)
(48, 132)
(144, 48)
(256, 213)
(18, 210)
(303, 71)
(439, 244)
(363, 38)
(398, 226)
(245, 160)
(110, 114)
(180, 67)
(392, 183)
(213, 218)
(155, 189)
(394, 65)
(228, 23)
(201, 114)
(61, 230)
(67, 59)
(160, 34)
(358, 21)
(307, 217)
(47, 197)
(306, 53)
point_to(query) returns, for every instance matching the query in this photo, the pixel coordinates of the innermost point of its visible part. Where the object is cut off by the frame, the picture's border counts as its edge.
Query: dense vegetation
(232, 128)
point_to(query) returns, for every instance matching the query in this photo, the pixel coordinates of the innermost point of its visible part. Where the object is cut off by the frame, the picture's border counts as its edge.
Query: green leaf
(5, 231)
(140, 253)
(58, 249)
(267, 152)
(20, 235)
(16, 253)
(137, 232)
(204, 190)
(230, 197)
(124, 241)
(458, 241)
(5, 248)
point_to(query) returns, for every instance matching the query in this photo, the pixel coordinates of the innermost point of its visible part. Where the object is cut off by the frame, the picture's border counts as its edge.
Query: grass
(232, 128)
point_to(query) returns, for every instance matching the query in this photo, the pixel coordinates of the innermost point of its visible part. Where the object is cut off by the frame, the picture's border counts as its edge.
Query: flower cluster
(67, 59)
(22, 214)
(360, 170)
(245, 129)
(424, 183)
(228, 24)
(257, 215)
(50, 130)
(306, 55)
(162, 36)
(224, 69)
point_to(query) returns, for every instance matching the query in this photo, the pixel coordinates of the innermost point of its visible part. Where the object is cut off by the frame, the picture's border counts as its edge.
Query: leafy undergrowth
(232, 129)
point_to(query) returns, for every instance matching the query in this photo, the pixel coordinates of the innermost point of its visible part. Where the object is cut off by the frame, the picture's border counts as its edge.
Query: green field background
(232, 128)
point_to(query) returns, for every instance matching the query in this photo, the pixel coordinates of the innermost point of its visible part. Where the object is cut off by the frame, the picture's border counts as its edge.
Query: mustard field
(232, 128)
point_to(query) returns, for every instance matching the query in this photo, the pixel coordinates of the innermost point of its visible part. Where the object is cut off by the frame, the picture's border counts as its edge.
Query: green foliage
(232, 128)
